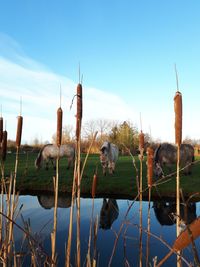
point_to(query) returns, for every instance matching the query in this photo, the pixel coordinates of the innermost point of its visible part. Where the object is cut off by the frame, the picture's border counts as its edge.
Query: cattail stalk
(56, 184)
(53, 234)
(13, 181)
(9, 218)
(88, 258)
(69, 241)
(178, 141)
(78, 138)
(141, 148)
(77, 176)
(148, 227)
(78, 203)
(1, 129)
(150, 155)
(94, 185)
(68, 252)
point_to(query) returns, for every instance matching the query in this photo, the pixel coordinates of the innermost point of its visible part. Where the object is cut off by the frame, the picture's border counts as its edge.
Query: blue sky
(126, 49)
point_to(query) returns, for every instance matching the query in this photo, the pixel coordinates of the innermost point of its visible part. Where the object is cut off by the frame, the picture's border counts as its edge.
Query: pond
(112, 216)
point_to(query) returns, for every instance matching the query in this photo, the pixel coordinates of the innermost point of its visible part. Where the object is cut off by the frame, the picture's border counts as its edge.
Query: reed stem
(68, 251)
(53, 235)
(148, 228)
(78, 246)
(178, 202)
(13, 185)
(140, 231)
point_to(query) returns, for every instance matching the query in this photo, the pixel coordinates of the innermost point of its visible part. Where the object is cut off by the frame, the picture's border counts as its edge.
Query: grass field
(122, 183)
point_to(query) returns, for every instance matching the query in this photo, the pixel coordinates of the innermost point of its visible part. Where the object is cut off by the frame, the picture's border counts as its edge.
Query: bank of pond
(123, 181)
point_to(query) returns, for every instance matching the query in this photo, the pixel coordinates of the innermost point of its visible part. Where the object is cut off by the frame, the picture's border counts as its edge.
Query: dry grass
(9, 210)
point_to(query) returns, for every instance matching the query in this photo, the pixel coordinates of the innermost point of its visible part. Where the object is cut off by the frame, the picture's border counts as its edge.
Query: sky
(126, 50)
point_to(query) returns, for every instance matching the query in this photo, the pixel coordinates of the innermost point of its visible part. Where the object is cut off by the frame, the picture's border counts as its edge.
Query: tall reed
(76, 182)
(13, 180)
(92, 262)
(2, 160)
(150, 156)
(141, 148)
(68, 250)
(178, 140)
(1, 129)
(78, 136)
(56, 185)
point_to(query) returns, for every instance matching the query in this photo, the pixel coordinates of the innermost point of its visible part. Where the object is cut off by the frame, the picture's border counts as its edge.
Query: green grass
(122, 183)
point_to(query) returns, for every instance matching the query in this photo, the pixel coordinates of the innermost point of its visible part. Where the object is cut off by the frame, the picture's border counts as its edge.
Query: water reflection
(165, 212)
(109, 213)
(48, 201)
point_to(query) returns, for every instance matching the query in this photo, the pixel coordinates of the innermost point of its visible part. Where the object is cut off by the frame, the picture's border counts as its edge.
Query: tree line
(124, 134)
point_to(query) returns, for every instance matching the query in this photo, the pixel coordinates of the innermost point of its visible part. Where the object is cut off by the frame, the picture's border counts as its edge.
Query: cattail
(141, 141)
(94, 185)
(184, 239)
(78, 127)
(178, 118)
(150, 154)
(19, 130)
(79, 110)
(1, 129)
(79, 101)
(4, 146)
(59, 126)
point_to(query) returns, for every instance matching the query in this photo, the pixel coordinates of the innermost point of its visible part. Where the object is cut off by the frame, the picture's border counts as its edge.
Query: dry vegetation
(10, 210)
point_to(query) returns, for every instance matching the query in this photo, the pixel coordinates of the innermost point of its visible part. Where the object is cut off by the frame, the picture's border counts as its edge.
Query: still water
(111, 217)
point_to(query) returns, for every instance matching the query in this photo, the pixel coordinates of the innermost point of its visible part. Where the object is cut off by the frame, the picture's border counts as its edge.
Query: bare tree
(104, 127)
(89, 129)
(67, 134)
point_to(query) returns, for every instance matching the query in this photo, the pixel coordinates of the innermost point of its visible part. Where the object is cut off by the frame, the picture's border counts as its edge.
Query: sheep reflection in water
(165, 212)
(109, 213)
(48, 201)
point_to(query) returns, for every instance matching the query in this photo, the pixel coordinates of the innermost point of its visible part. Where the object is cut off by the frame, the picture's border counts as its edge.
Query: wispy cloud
(40, 92)
(39, 87)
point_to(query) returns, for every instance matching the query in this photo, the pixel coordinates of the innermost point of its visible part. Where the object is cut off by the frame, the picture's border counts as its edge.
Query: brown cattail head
(1, 129)
(141, 141)
(184, 239)
(150, 154)
(59, 126)
(19, 130)
(78, 129)
(79, 101)
(79, 110)
(94, 185)
(178, 118)
(4, 146)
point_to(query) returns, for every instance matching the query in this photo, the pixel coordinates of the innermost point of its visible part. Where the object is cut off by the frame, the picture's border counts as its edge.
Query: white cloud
(39, 88)
(40, 92)
(100, 104)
